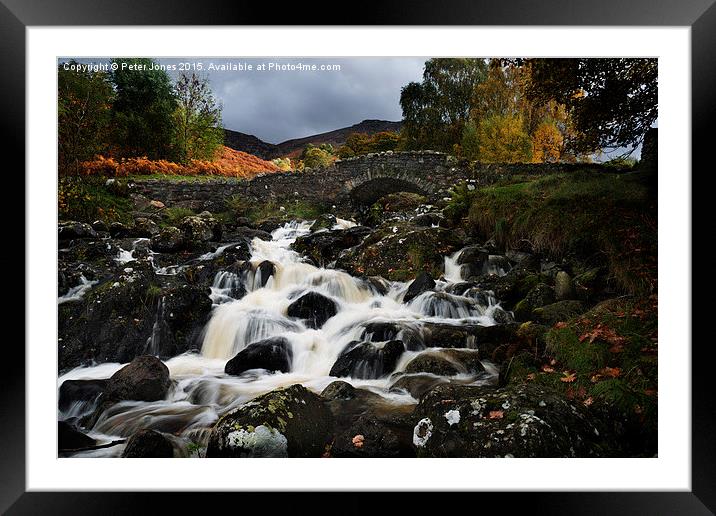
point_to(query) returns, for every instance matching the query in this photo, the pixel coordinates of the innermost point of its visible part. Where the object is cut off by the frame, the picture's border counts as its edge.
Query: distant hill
(253, 145)
(249, 143)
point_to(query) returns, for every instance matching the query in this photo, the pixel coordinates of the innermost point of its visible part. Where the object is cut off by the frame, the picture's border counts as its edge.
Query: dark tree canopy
(84, 100)
(143, 109)
(612, 102)
(436, 109)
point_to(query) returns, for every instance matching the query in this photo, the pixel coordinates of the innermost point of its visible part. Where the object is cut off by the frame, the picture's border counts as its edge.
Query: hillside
(249, 143)
(253, 145)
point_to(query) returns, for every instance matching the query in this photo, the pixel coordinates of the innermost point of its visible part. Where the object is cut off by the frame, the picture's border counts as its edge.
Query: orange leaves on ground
(588, 402)
(568, 377)
(358, 441)
(547, 369)
(531, 377)
(496, 414)
(560, 325)
(606, 334)
(612, 372)
(228, 163)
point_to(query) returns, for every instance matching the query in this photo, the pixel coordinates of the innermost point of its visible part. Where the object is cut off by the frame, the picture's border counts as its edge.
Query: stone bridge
(357, 182)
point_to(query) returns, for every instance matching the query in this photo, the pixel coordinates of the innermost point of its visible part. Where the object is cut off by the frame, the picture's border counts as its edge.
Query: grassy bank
(595, 218)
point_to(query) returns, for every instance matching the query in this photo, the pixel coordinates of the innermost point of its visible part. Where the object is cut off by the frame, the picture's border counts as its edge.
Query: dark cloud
(280, 105)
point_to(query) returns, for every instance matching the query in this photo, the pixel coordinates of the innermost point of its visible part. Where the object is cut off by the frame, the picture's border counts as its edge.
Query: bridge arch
(367, 188)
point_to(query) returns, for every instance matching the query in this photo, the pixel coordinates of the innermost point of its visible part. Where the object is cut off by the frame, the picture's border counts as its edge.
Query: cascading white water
(202, 391)
(76, 293)
(453, 271)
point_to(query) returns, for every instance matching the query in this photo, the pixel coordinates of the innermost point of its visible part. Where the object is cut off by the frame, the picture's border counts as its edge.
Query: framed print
(336, 258)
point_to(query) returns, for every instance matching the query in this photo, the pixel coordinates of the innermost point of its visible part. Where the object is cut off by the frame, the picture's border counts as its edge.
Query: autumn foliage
(228, 163)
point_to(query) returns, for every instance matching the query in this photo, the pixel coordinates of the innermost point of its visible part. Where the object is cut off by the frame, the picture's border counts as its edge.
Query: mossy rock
(287, 422)
(559, 311)
(539, 295)
(524, 420)
(325, 221)
(399, 251)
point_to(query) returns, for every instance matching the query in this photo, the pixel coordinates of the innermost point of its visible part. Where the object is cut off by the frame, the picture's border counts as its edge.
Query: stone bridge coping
(360, 180)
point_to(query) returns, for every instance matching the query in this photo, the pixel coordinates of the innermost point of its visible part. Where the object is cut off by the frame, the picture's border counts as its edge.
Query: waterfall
(251, 305)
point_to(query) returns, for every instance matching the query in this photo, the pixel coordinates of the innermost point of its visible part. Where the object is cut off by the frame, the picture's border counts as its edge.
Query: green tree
(315, 157)
(436, 109)
(144, 109)
(197, 119)
(612, 102)
(470, 145)
(84, 101)
(384, 141)
(502, 139)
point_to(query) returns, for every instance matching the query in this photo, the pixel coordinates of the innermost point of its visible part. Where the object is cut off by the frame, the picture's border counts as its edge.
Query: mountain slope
(249, 143)
(253, 145)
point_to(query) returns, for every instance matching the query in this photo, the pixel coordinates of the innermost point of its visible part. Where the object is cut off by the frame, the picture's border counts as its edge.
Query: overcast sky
(278, 105)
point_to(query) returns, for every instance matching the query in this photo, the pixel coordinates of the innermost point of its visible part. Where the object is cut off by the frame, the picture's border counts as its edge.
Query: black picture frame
(17, 15)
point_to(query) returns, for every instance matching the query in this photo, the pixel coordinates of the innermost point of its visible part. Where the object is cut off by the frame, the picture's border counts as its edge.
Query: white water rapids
(202, 392)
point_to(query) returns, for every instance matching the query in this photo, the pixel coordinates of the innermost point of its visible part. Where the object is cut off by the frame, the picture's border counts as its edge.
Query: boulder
(339, 390)
(273, 354)
(448, 362)
(100, 226)
(69, 438)
(287, 422)
(265, 269)
(430, 219)
(368, 360)
(145, 378)
(399, 251)
(559, 311)
(367, 437)
(416, 384)
(324, 247)
(524, 420)
(539, 295)
(314, 308)
(472, 260)
(563, 288)
(422, 283)
(233, 233)
(74, 391)
(72, 230)
(119, 230)
(168, 240)
(196, 229)
(144, 228)
(325, 221)
(383, 331)
(589, 283)
(148, 444)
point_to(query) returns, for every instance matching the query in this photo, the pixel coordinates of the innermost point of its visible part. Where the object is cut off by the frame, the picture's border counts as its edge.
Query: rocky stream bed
(319, 338)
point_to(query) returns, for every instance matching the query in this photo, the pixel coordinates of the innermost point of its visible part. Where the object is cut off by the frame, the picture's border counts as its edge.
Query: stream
(202, 392)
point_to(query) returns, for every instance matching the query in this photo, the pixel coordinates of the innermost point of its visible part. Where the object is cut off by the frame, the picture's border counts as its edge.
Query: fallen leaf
(560, 325)
(588, 401)
(358, 441)
(547, 369)
(496, 414)
(531, 376)
(612, 372)
(568, 377)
